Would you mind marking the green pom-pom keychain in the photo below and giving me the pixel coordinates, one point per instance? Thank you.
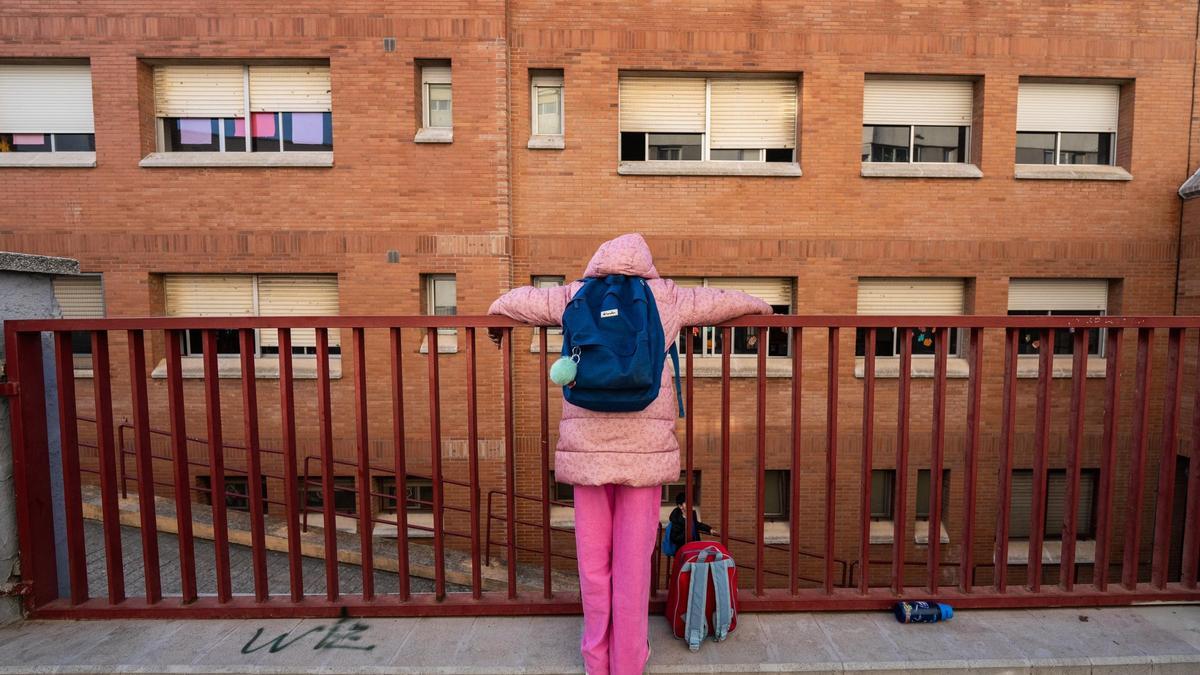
(564, 369)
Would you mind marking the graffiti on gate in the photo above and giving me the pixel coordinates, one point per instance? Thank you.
(340, 635)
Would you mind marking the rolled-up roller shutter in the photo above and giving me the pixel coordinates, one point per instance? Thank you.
(209, 294)
(771, 290)
(917, 102)
(46, 99)
(435, 74)
(752, 113)
(297, 295)
(80, 297)
(290, 89)
(1043, 106)
(662, 104)
(199, 91)
(910, 297)
(1058, 295)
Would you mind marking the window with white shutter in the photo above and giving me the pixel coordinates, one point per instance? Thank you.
(46, 108)
(916, 120)
(1021, 504)
(707, 118)
(547, 102)
(80, 297)
(207, 295)
(243, 107)
(436, 101)
(1058, 297)
(909, 297)
(775, 291)
(1067, 123)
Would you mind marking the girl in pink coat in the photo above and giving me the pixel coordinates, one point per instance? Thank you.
(618, 461)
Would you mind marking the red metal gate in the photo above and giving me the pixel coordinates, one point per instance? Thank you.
(991, 388)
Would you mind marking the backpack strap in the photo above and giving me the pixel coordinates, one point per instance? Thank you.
(678, 389)
(723, 613)
(696, 623)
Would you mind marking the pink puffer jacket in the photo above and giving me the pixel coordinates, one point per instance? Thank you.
(637, 448)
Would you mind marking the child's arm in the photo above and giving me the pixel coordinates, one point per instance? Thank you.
(536, 306)
(707, 306)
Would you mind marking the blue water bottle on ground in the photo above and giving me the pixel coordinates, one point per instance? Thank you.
(919, 611)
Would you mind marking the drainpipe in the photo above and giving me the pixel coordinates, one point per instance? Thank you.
(1188, 169)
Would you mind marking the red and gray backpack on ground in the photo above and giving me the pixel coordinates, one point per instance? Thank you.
(702, 599)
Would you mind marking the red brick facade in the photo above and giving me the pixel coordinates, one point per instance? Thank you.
(494, 212)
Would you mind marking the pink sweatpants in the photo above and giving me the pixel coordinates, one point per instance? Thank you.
(615, 526)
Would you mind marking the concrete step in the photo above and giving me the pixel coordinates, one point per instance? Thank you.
(1160, 639)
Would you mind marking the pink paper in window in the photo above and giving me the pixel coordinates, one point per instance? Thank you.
(239, 127)
(307, 129)
(195, 131)
(29, 139)
(263, 125)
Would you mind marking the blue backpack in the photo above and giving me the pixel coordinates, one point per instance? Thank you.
(614, 337)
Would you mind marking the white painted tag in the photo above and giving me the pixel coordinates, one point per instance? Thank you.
(608, 313)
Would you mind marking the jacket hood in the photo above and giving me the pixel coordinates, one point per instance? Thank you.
(628, 254)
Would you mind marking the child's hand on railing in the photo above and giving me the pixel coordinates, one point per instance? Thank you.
(495, 335)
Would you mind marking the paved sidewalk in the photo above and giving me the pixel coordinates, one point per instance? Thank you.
(1161, 639)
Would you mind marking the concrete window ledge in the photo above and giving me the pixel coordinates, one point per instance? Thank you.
(447, 343)
(920, 170)
(554, 342)
(957, 368)
(1018, 551)
(1027, 367)
(388, 528)
(921, 533)
(265, 368)
(434, 136)
(84, 373)
(672, 168)
(47, 160)
(884, 532)
(545, 142)
(739, 366)
(217, 160)
(1071, 172)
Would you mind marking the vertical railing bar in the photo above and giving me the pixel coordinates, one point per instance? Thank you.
(1160, 556)
(544, 446)
(831, 444)
(1037, 527)
(1074, 452)
(291, 493)
(114, 563)
(1133, 504)
(435, 463)
(934, 531)
(258, 536)
(689, 457)
(473, 468)
(966, 571)
(64, 368)
(216, 466)
(1191, 540)
(1004, 475)
(328, 507)
(510, 465)
(797, 338)
(1108, 462)
(760, 462)
(400, 461)
(144, 461)
(903, 410)
(868, 446)
(366, 524)
(179, 454)
(726, 351)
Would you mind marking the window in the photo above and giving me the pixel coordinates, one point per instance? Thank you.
(547, 103)
(1058, 297)
(237, 492)
(775, 291)
(908, 297)
(916, 120)
(344, 492)
(548, 281)
(210, 108)
(923, 502)
(679, 486)
(777, 492)
(441, 297)
(199, 295)
(436, 108)
(718, 118)
(883, 494)
(46, 108)
(1021, 503)
(419, 493)
(1067, 123)
(80, 297)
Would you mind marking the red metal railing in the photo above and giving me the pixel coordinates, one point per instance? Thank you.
(984, 416)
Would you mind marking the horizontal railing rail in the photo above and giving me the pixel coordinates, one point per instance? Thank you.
(1016, 400)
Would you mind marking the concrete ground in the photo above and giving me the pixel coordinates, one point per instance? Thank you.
(1159, 639)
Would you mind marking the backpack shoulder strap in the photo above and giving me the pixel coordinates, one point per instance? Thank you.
(696, 623)
(678, 388)
(723, 612)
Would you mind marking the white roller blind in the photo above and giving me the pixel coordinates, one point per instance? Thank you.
(752, 113)
(79, 297)
(297, 295)
(46, 99)
(771, 290)
(925, 102)
(688, 282)
(1058, 294)
(662, 104)
(199, 91)
(1045, 106)
(910, 297)
(435, 74)
(546, 80)
(290, 89)
(209, 294)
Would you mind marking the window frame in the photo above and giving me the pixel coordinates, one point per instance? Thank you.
(534, 108)
(709, 333)
(385, 488)
(536, 280)
(887, 515)
(669, 490)
(1112, 147)
(954, 352)
(783, 486)
(52, 142)
(305, 489)
(429, 285)
(945, 508)
(965, 131)
(1055, 533)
